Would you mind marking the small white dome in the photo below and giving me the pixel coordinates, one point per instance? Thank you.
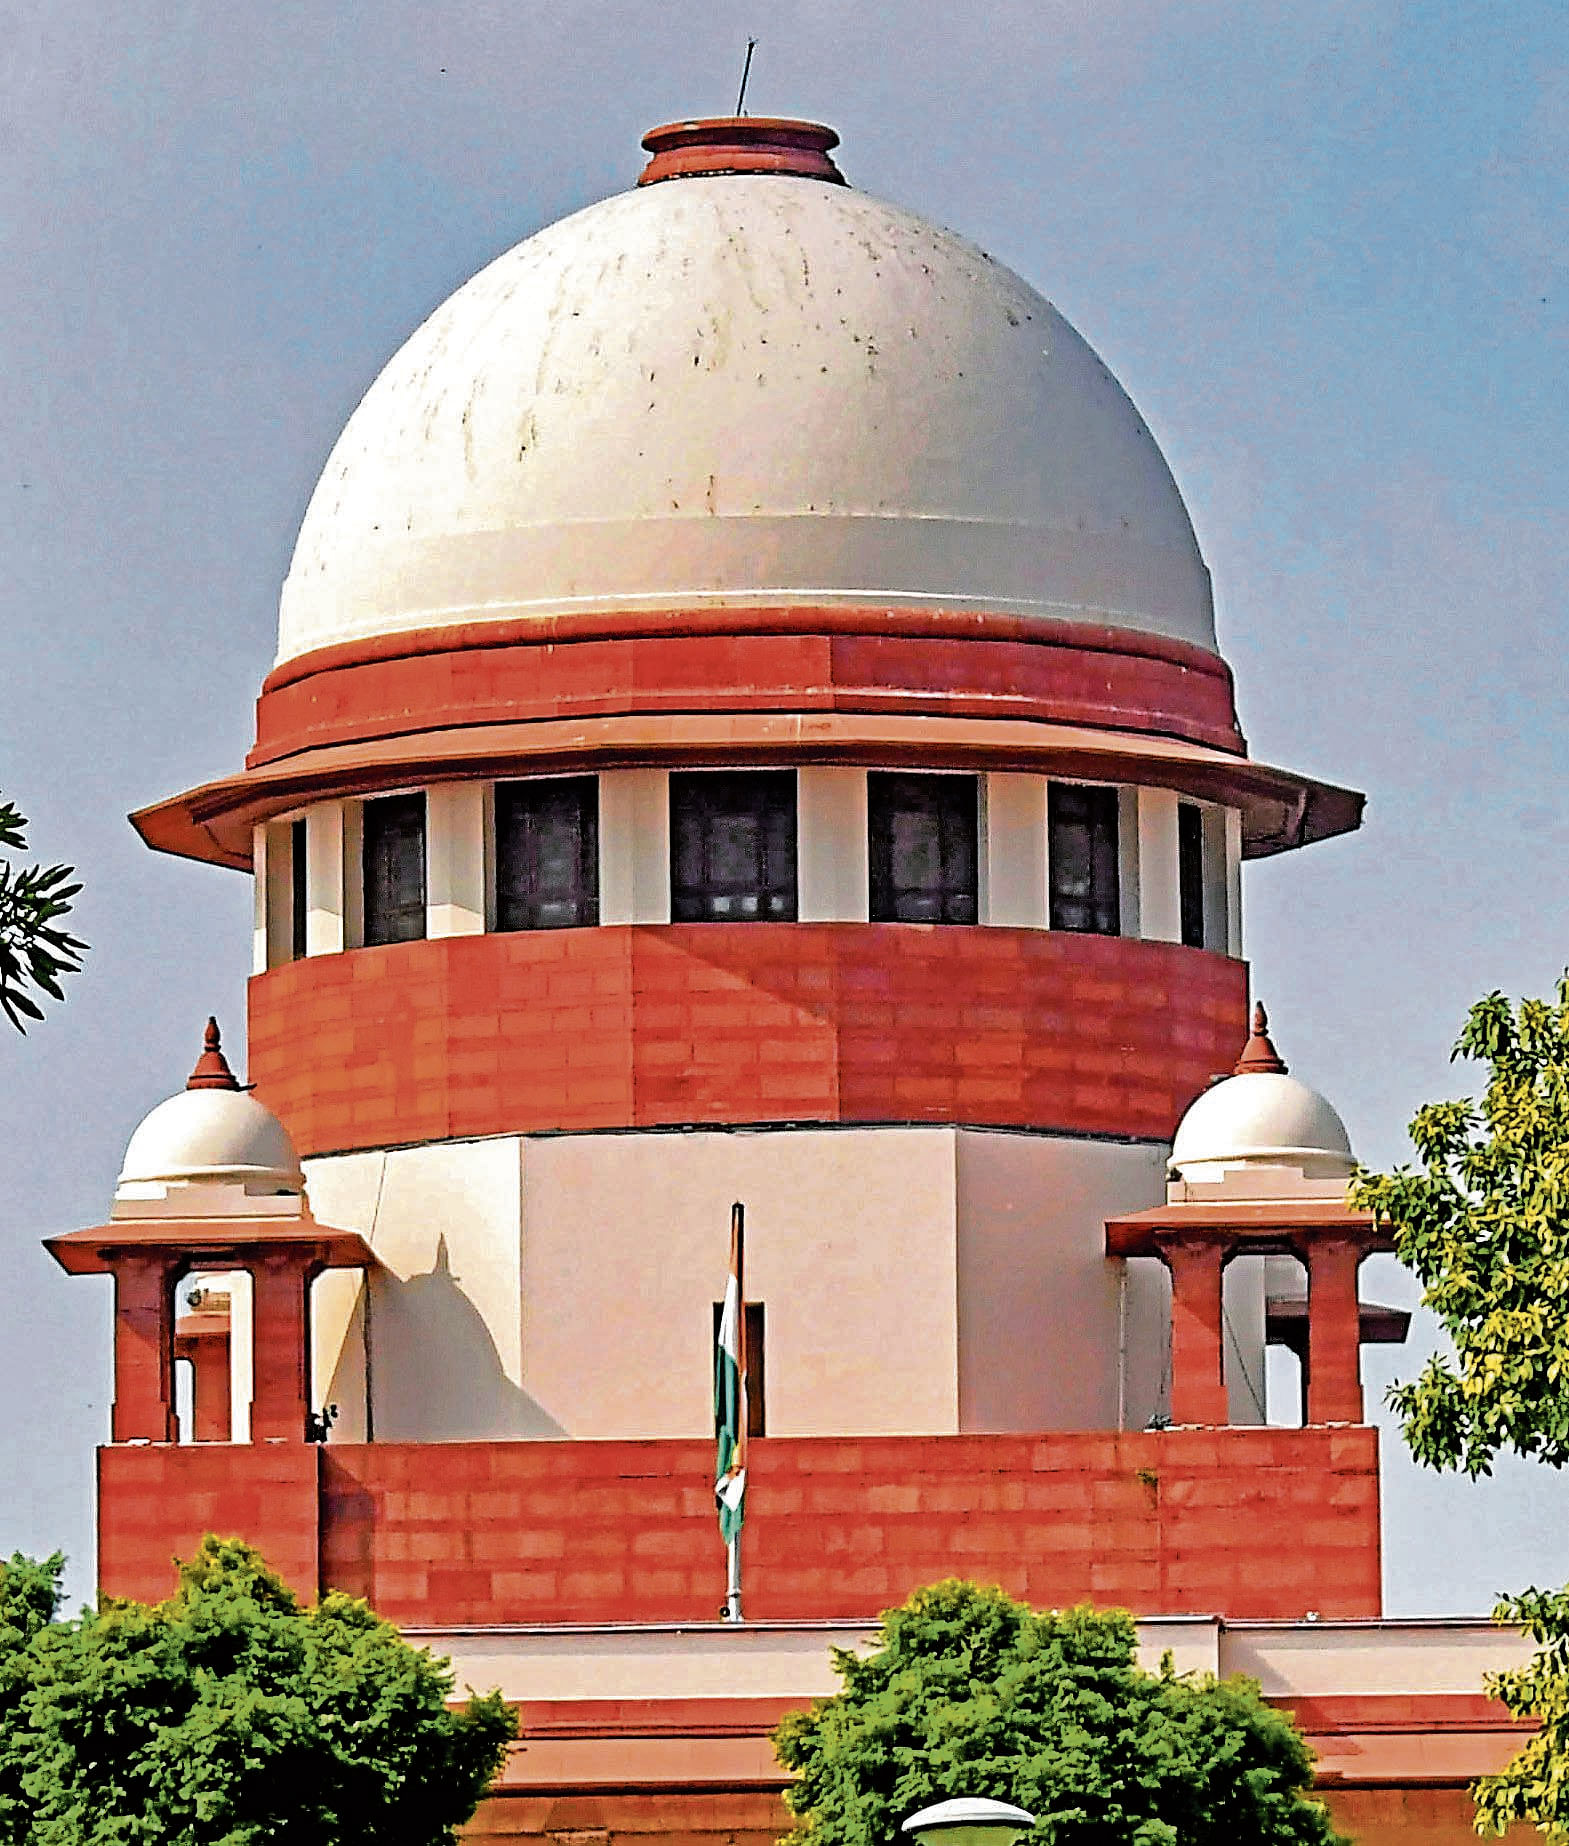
(738, 388)
(211, 1133)
(1262, 1118)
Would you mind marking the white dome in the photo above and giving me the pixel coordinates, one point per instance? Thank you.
(743, 388)
(211, 1135)
(1262, 1118)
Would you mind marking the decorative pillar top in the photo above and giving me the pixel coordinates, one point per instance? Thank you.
(212, 1070)
(1259, 1053)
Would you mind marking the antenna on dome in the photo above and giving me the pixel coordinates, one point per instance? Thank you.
(746, 71)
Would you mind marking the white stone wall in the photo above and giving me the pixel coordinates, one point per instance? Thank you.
(914, 1281)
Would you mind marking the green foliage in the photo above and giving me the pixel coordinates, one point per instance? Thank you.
(972, 1693)
(228, 1716)
(34, 951)
(1534, 1787)
(1484, 1224)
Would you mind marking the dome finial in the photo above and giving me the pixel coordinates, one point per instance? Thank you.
(740, 144)
(1259, 1054)
(212, 1070)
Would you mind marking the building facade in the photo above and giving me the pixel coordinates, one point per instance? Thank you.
(748, 725)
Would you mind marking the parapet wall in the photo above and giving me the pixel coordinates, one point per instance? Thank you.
(1246, 1523)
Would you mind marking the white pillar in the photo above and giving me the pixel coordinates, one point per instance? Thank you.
(1013, 808)
(1234, 882)
(832, 869)
(325, 883)
(1129, 870)
(634, 846)
(260, 892)
(455, 859)
(1160, 894)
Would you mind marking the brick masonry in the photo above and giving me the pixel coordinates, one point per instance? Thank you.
(739, 660)
(1261, 1523)
(647, 1025)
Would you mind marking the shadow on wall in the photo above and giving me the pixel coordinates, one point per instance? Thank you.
(435, 1373)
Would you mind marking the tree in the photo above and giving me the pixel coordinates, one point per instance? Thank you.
(972, 1693)
(1484, 1224)
(228, 1716)
(34, 951)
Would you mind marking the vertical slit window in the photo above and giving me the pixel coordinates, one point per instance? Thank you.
(756, 1371)
(394, 869)
(923, 848)
(547, 854)
(298, 910)
(1083, 857)
(732, 846)
(1190, 873)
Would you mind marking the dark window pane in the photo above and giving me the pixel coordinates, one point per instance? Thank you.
(756, 1403)
(923, 848)
(297, 898)
(732, 846)
(1085, 886)
(547, 854)
(1190, 873)
(394, 864)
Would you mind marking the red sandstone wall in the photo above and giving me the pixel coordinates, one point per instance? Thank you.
(738, 660)
(1261, 1523)
(824, 1022)
(156, 1502)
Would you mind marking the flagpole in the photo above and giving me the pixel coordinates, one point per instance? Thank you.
(732, 1609)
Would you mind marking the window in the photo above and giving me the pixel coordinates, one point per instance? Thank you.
(1190, 873)
(394, 867)
(732, 846)
(756, 1406)
(1082, 824)
(297, 901)
(547, 854)
(924, 854)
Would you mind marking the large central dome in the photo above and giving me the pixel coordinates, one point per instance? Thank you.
(743, 387)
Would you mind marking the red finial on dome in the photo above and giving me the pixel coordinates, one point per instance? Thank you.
(740, 144)
(212, 1067)
(1259, 1053)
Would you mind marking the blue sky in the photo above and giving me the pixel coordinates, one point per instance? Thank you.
(1322, 245)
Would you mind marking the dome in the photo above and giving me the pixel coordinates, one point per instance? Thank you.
(212, 1132)
(1261, 1117)
(744, 387)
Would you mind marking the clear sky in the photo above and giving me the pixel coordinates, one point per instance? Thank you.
(1323, 245)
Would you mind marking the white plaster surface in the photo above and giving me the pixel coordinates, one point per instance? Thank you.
(634, 846)
(326, 893)
(832, 863)
(750, 388)
(442, 1324)
(455, 856)
(1014, 811)
(850, 1247)
(1160, 885)
(1038, 1299)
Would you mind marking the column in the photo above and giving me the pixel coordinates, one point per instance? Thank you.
(1013, 810)
(1334, 1330)
(1198, 1387)
(143, 1348)
(1160, 903)
(325, 894)
(280, 1347)
(831, 850)
(455, 859)
(634, 846)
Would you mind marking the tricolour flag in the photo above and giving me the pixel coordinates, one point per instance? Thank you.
(730, 1395)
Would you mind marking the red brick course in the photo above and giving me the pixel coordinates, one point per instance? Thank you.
(649, 1026)
(1244, 1523)
(956, 664)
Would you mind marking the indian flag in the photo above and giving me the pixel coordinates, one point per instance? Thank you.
(730, 1396)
